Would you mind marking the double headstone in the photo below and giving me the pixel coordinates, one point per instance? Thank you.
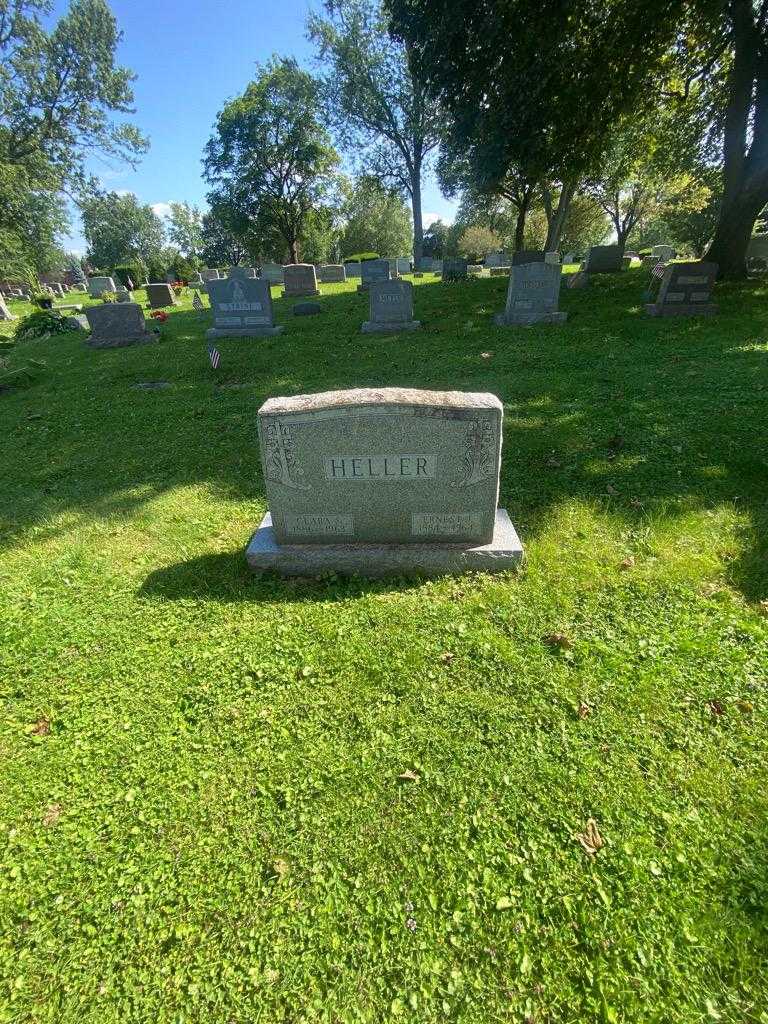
(391, 309)
(242, 307)
(272, 272)
(497, 259)
(425, 264)
(332, 273)
(686, 290)
(382, 481)
(603, 259)
(372, 271)
(352, 269)
(523, 256)
(116, 325)
(160, 295)
(455, 270)
(664, 252)
(98, 285)
(532, 295)
(300, 280)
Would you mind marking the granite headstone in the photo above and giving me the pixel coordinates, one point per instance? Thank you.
(332, 273)
(372, 271)
(300, 280)
(532, 295)
(391, 309)
(603, 259)
(686, 290)
(160, 295)
(117, 325)
(242, 307)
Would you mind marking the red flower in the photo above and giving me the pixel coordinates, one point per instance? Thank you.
(159, 314)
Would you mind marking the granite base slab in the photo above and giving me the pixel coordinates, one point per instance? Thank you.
(501, 320)
(265, 554)
(666, 309)
(145, 339)
(243, 332)
(304, 294)
(371, 327)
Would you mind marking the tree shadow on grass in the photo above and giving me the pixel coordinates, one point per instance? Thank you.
(638, 416)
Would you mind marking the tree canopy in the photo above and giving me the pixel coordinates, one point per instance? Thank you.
(119, 228)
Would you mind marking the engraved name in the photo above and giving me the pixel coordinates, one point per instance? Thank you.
(444, 524)
(380, 467)
(328, 525)
(240, 307)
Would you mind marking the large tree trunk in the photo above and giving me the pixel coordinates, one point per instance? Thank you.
(418, 227)
(734, 229)
(522, 214)
(556, 219)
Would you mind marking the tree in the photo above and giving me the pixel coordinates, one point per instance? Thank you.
(119, 228)
(32, 219)
(375, 99)
(476, 242)
(184, 228)
(269, 158)
(505, 72)
(585, 225)
(434, 239)
(376, 220)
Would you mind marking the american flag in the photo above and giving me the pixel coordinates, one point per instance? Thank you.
(197, 303)
(214, 356)
(658, 270)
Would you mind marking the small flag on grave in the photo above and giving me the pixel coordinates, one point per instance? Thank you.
(197, 303)
(213, 355)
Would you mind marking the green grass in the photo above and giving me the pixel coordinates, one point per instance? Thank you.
(201, 812)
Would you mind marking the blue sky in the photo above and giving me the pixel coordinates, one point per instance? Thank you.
(190, 58)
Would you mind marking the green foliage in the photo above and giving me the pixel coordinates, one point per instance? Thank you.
(359, 257)
(119, 228)
(203, 809)
(434, 239)
(133, 272)
(39, 324)
(270, 159)
(376, 219)
(377, 105)
(185, 230)
(476, 242)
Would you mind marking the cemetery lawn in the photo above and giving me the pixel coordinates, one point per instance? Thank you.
(226, 799)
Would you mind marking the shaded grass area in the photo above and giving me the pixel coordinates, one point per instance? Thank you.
(202, 809)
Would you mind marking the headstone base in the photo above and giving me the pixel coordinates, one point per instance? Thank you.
(697, 309)
(559, 317)
(144, 339)
(265, 554)
(362, 289)
(302, 295)
(242, 332)
(371, 327)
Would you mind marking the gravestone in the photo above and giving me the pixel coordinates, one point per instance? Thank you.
(372, 271)
(332, 273)
(272, 272)
(532, 295)
(402, 265)
(425, 264)
(455, 270)
(209, 274)
(570, 257)
(5, 313)
(116, 325)
(499, 271)
(552, 257)
(686, 290)
(523, 256)
(123, 295)
(196, 283)
(497, 259)
(664, 252)
(603, 259)
(382, 481)
(352, 269)
(170, 277)
(300, 279)
(160, 295)
(391, 308)
(98, 285)
(242, 307)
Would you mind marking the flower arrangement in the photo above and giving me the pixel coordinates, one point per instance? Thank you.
(109, 296)
(159, 314)
(178, 288)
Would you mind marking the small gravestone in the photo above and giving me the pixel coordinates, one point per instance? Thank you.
(391, 308)
(300, 279)
(532, 296)
(352, 269)
(123, 295)
(242, 307)
(455, 270)
(116, 325)
(5, 313)
(272, 272)
(425, 264)
(603, 259)
(499, 271)
(552, 257)
(497, 259)
(570, 257)
(98, 285)
(209, 274)
(160, 295)
(372, 271)
(332, 273)
(578, 280)
(382, 481)
(307, 309)
(686, 290)
(523, 256)
(402, 265)
(76, 323)
(664, 252)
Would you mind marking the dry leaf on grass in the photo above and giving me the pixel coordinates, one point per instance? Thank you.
(42, 727)
(558, 640)
(409, 776)
(590, 839)
(583, 710)
(627, 563)
(52, 814)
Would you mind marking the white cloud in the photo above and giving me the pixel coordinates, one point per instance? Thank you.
(162, 209)
(123, 192)
(429, 218)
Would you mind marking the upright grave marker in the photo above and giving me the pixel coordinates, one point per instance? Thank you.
(382, 481)
(664, 252)
(333, 273)
(686, 290)
(272, 272)
(391, 308)
(532, 296)
(98, 285)
(5, 313)
(603, 259)
(300, 280)
(372, 271)
(242, 307)
(117, 325)
(160, 295)
(523, 256)
(455, 270)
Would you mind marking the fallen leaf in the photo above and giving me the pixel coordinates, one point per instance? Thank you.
(42, 727)
(558, 640)
(627, 563)
(554, 463)
(409, 776)
(590, 839)
(745, 705)
(583, 710)
(503, 903)
(635, 503)
(281, 867)
(447, 657)
(486, 355)
(763, 606)
(715, 708)
(52, 814)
